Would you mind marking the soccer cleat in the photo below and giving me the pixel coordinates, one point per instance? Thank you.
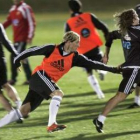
(134, 105)
(20, 120)
(55, 127)
(98, 125)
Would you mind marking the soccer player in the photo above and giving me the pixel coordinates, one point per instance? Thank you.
(137, 90)
(86, 24)
(129, 33)
(21, 17)
(11, 91)
(58, 60)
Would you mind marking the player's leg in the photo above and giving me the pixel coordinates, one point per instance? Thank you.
(3, 79)
(53, 110)
(5, 102)
(12, 94)
(25, 63)
(136, 99)
(14, 73)
(128, 84)
(31, 102)
(94, 55)
(94, 84)
(112, 103)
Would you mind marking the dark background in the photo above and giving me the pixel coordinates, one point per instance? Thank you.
(61, 5)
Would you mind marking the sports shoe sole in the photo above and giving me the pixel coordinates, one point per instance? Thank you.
(57, 129)
(97, 126)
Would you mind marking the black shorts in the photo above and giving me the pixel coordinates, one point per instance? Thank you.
(42, 84)
(3, 72)
(33, 98)
(40, 88)
(94, 55)
(131, 79)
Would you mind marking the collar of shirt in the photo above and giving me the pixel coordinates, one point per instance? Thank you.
(63, 53)
(76, 14)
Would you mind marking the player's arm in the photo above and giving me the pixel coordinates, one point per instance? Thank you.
(45, 50)
(31, 23)
(111, 36)
(82, 61)
(8, 22)
(67, 28)
(6, 42)
(100, 25)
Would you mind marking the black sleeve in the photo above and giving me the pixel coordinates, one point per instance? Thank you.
(112, 36)
(6, 42)
(35, 50)
(67, 28)
(83, 61)
(100, 25)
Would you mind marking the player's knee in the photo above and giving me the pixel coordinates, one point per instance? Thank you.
(58, 93)
(121, 96)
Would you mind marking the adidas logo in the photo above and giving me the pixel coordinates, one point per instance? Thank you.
(79, 22)
(58, 64)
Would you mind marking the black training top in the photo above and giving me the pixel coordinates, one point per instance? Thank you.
(78, 60)
(130, 43)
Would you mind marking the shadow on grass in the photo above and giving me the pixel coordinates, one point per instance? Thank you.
(67, 118)
(102, 136)
(113, 90)
(38, 137)
(75, 112)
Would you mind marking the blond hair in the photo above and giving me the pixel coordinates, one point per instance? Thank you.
(71, 36)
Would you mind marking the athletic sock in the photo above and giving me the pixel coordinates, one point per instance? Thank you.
(18, 104)
(12, 116)
(137, 100)
(53, 109)
(101, 119)
(95, 85)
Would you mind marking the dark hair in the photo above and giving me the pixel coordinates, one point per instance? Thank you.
(75, 5)
(125, 20)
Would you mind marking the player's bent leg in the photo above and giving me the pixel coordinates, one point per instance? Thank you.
(25, 109)
(53, 110)
(12, 116)
(12, 94)
(5, 103)
(95, 85)
(136, 99)
(111, 104)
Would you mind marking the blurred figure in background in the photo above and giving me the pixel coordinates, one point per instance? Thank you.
(86, 25)
(11, 91)
(21, 17)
